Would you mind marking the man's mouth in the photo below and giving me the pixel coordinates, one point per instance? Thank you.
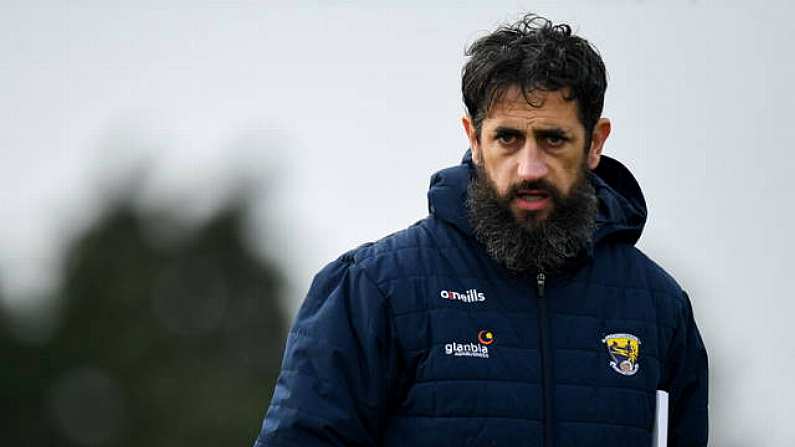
(532, 200)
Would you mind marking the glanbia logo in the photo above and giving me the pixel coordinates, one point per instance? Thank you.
(480, 350)
(486, 337)
(470, 296)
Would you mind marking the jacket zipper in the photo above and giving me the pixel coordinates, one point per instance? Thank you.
(543, 323)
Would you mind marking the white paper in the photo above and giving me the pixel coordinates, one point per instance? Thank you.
(661, 420)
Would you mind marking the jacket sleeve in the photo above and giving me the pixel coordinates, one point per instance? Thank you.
(338, 366)
(687, 383)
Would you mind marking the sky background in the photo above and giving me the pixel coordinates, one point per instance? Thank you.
(336, 114)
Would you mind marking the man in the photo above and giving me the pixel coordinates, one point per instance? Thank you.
(518, 313)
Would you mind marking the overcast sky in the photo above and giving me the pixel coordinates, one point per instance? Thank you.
(342, 111)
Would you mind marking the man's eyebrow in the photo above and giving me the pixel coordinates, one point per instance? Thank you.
(507, 130)
(557, 132)
(543, 132)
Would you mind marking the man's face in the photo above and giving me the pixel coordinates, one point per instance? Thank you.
(533, 154)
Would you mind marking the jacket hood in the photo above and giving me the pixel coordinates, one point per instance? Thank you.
(622, 208)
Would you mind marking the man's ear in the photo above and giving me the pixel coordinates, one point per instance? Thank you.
(600, 133)
(472, 136)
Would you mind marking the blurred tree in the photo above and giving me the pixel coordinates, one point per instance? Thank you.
(158, 344)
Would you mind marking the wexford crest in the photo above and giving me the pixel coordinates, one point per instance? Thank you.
(624, 350)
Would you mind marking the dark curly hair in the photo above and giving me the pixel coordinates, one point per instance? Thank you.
(534, 54)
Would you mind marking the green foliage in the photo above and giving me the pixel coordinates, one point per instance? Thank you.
(158, 344)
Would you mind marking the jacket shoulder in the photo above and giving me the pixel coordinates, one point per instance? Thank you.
(399, 252)
(656, 276)
(626, 264)
(623, 265)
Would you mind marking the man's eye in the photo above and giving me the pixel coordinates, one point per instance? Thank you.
(506, 138)
(554, 140)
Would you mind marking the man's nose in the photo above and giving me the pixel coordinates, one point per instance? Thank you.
(531, 164)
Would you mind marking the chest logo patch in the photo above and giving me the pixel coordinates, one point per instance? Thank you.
(624, 350)
(480, 349)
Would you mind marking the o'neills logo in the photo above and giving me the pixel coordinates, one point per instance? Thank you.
(479, 350)
(470, 296)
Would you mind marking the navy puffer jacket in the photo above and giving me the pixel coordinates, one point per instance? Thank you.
(421, 339)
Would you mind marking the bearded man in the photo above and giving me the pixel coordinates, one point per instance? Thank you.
(519, 312)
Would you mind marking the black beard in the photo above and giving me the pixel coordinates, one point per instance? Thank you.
(532, 245)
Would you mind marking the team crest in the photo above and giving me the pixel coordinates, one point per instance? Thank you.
(624, 350)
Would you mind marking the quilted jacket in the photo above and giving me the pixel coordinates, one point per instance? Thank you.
(421, 339)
